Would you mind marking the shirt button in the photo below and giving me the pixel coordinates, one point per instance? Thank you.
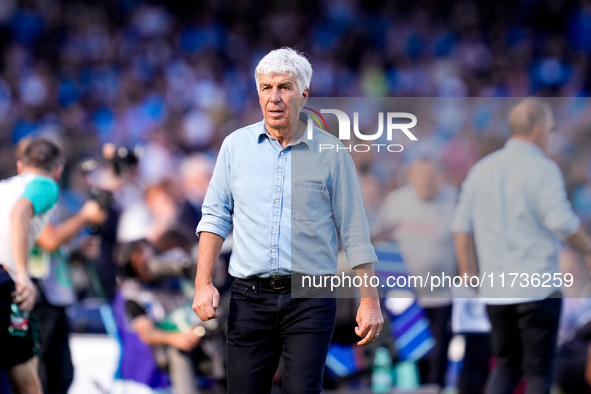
(273, 250)
(277, 201)
(274, 226)
(282, 153)
(278, 176)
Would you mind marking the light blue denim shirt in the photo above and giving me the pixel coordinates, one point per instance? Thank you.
(515, 203)
(286, 204)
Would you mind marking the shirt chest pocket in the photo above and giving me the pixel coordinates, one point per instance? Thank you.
(307, 200)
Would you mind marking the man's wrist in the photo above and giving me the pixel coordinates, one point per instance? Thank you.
(83, 217)
(22, 273)
(203, 282)
(370, 300)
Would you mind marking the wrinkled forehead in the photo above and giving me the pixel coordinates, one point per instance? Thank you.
(274, 78)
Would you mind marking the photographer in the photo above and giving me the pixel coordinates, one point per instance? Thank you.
(48, 264)
(153, 316)
(56, 293)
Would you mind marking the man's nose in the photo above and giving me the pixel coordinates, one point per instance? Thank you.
(275, 96)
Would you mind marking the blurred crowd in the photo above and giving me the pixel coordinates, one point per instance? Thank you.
(165, 82)
(176, 78)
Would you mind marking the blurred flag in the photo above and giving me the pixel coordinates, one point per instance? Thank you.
(409, 325)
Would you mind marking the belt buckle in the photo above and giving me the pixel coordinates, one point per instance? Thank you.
(278, 283)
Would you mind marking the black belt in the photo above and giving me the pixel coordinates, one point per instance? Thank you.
(278, 283)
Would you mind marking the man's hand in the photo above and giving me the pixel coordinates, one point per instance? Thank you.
(92, 213)
(153, 336)
(20, 224)
(588, 367)
(24, 293)
(184, 341)
(53, 236)
(207, 297)
(205, 303)
(369, 320)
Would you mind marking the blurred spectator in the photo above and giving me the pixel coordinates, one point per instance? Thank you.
(74, 68)
(150, 309)
(153, 75)
(573, 362)
(164, 208)
(196, 172)
(49, 264)
(373, 194)
(512, 209)
(418, 216)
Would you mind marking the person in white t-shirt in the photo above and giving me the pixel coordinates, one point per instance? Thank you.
(26, 201)
(418, 216)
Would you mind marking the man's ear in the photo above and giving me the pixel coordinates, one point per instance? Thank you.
(57, 174)
(19, 167)
(305, 95)
(536, 133)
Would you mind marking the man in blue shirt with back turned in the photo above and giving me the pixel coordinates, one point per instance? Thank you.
(285, 221)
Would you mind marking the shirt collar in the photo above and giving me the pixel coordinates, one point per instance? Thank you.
(311, 143)
(262, 132)
(523, 146)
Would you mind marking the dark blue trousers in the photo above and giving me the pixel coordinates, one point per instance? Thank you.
(263, 325)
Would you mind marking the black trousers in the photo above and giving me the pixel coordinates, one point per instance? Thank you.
(264, 324)
(433, 367)
(523, 339)
(571, 366)
(56, 370)
(476, 363)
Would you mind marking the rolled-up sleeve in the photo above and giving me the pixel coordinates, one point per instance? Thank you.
(462, 217)
(218, 205)
(553, 206)
(349, 214)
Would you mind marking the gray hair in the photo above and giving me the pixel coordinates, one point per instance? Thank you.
(528, 114)
(286, 61)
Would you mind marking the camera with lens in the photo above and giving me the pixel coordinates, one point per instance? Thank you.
(141, 256)
(104, 198)
(174, 263)
(121, 158)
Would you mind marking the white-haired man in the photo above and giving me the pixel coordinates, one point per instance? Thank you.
(285, 221)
